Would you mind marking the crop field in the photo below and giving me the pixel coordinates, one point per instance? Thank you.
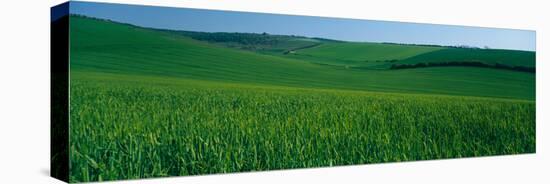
(364, 52)
(149, 103)
(108, 47)
(514, 58)
(136, 128)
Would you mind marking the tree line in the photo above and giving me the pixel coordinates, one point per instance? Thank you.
(465, 63)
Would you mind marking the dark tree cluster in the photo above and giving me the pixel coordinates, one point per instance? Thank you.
(465, 63)
(240, 38)
(386, 61)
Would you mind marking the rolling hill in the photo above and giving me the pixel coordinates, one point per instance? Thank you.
(384, 55)
(490, 56)
(110, 47)
(360, 54)
(366, 51)
(155, 103)
(264, 42)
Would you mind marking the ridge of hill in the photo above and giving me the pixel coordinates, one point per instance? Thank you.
(108, 47)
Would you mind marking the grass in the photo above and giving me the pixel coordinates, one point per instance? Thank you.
(114, 48)
(489, 56)
(378, 55)
(264, 43)
(365, 51)
(147, 103)
(145, 128)
(354, 54)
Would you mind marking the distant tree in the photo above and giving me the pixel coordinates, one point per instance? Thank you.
(465, 63)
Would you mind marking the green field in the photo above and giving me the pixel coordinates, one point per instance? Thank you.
(149, 103)
(509, 57)
(382, 56)
(360, 54)
(265, 43)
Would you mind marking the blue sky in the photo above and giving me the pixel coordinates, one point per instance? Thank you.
(332, 28)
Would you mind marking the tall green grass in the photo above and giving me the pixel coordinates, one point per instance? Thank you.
(145, 103)
(125, 127)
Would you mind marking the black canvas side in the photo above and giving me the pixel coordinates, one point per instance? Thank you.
(59, 92)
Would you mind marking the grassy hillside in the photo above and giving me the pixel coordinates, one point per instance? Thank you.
(365, 51)
(353, 54)
(148, 103)
(491, 56)
(264, 43)
(107, 47)
(383, 56)
(360, 55)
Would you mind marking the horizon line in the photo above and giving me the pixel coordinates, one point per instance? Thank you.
(303, 36)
